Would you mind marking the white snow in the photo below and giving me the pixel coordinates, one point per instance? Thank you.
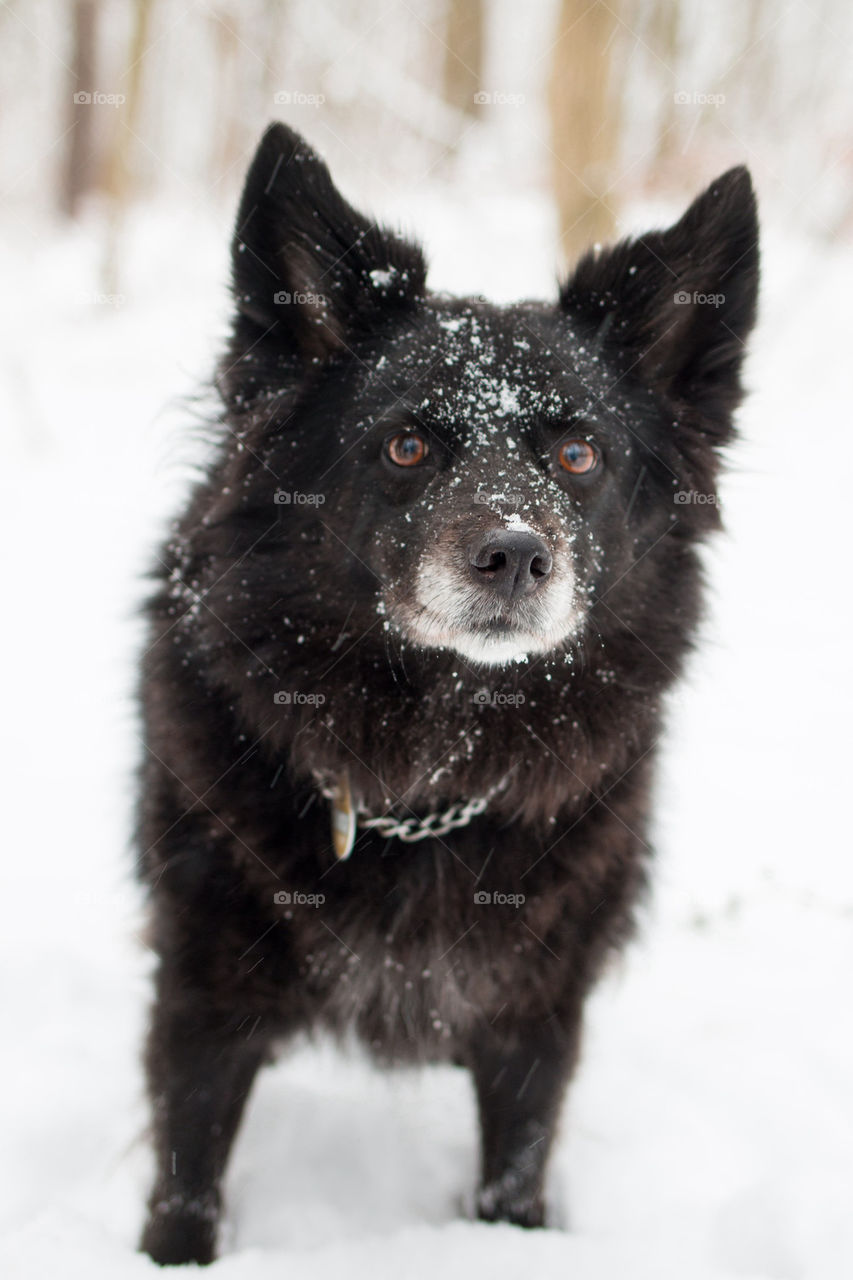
(381, 278)
(708, 1133)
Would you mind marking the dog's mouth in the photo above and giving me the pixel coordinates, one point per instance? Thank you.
(462, 622)
(498, 644)
(495, 644)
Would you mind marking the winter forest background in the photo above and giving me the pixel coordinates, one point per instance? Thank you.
(709, 1131)
(593, 104)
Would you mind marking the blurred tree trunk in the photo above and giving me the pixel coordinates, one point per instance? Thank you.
(276, 17)
(752, 73)
(119, 177)
(585, 118)
(665, 40)
(230, 78)
(78, 173)
(463, 57)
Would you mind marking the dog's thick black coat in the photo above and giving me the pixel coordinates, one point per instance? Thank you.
(325, 612)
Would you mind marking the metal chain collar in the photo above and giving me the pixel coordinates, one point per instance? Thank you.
(346, 815)
(434, 824)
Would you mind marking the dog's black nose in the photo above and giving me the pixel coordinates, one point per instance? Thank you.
(511, 561)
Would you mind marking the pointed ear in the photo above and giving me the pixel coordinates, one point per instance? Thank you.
(681, 303)
(307, 269)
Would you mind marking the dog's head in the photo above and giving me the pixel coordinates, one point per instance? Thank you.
(466, 476)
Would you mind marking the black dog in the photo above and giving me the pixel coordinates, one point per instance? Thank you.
(408, 653)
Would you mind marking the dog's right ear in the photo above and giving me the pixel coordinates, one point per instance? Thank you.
(680, 303)
(310, 274)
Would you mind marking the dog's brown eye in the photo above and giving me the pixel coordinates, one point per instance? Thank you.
(578, 457)
(406, 449)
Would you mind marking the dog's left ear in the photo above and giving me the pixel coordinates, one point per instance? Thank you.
(310, 274)
(680, 303)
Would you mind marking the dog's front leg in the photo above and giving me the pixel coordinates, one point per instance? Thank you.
(200, 1072)
(520, 1078)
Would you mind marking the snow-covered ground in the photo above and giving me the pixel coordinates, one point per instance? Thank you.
(710, 1129)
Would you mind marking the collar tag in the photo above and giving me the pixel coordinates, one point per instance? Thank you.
(343, 818)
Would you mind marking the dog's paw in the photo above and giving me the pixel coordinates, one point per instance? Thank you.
(507, 1200)
(179, 1232)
